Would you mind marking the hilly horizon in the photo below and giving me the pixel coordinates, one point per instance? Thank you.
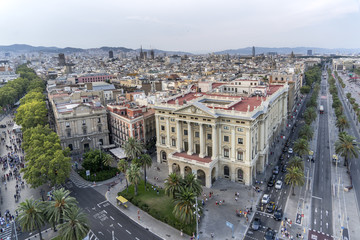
(239, 51)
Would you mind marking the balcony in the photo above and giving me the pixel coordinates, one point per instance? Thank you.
(190, 159)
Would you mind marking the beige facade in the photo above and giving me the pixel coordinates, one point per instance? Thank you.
(81, 126)
(219, 136)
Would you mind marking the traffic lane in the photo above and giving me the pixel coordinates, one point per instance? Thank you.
(267, 221)
(104, 217)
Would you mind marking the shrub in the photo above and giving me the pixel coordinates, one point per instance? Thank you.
(102, 175)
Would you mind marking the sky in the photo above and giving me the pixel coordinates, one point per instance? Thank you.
(186, 25)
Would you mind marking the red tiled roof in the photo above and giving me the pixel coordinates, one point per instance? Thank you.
(215, 85)
(193, 157)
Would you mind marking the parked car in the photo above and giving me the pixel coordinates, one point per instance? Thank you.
(278, 214)
(256, 224)
(270, 207)
(2, 126)
(284, 168)
(285, 149)
(290, 150)
(278, 184)
(269, 234)
(265, 199)
(276, 170)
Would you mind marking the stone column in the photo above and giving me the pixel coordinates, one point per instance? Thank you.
(233, 144)
(215, 141)
(168, 132)
(190, 139)
(220, 139)
(179, 136)
(158, 130)
(202, 141)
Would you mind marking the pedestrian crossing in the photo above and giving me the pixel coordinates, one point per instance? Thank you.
(79, 181)
(6, 232)
(91, 236)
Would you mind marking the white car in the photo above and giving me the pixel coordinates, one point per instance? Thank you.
(290, 150)
(278, 184)
(265, 199)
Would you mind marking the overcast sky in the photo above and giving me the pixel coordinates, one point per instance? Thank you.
(187, 25)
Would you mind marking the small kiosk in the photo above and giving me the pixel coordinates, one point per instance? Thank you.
(121, 201)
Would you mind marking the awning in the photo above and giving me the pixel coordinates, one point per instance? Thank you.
(122, 199)
(118, 152)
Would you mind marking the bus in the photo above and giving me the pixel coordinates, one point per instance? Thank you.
(321, 109)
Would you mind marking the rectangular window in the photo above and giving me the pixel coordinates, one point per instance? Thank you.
(84, 131)
(67, 124)
(83, 122)
(172, 119)
(69, 133)
(226, 127)
(99, 120)
(162, 128)
(161, 118)
(209, 136)
(240, 129)
(240, 156)
(226, 152)
(226, 138)
(197, 134)
(173, 129)
(99, 129)
(173, 142)
(162, 140)
(185, 132)
(240, 141)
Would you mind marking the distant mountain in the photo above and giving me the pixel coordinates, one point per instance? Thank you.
(158, 51)
(123, 49)
(287, 50)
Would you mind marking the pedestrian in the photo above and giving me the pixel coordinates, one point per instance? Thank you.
(212, 235)
(181, 233)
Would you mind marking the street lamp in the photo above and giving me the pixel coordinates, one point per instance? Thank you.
(99, 144)
(197, 213)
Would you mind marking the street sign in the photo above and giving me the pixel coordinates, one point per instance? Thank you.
(298, 218)
(87, 173)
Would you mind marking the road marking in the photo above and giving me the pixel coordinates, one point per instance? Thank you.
(119, 224)
(112, 225)
(111, 217)
(101, 203)
(317, 197)
(137, 238)
(327, 212)
(101, 224)
(327, 225)
(105, 211)
(315, 221)
(316, 210)
(101, 233)
(128, 232)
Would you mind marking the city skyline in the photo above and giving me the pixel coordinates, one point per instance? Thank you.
(203, 26)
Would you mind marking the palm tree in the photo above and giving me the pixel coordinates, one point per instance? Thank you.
(145, 162)
(123, 166)
(172, 184)
(294, 177)
(107, 160)
(345, 147)
(31, 215)
(296, 162)
(306, 132)
(301, 147)
(310, 115)
(133, 174)
(75, 226)
(184, 206)
(55, 208)
(191, 183)
(342, 123)
(133, 148)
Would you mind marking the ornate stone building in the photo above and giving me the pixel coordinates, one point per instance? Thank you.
(223, 133)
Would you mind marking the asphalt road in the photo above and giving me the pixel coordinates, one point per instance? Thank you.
(321, 202)
(278, 196)
(106, 221)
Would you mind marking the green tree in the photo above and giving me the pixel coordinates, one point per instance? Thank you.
(133, 175)
(144, 161)
(184, 206)
(342, 123)
(123, 166)
(45, 159)
(172, 184)
(296, 162)
(31, 215)
(133, 148)
(75, 226)
(31, 114)
(191, 183)
(310, 115)
(294, 177)
(107, 159)
(32, 96)
(301, 147)
(345, 147)
(55, 209)
(305, 89)
(306, 132)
